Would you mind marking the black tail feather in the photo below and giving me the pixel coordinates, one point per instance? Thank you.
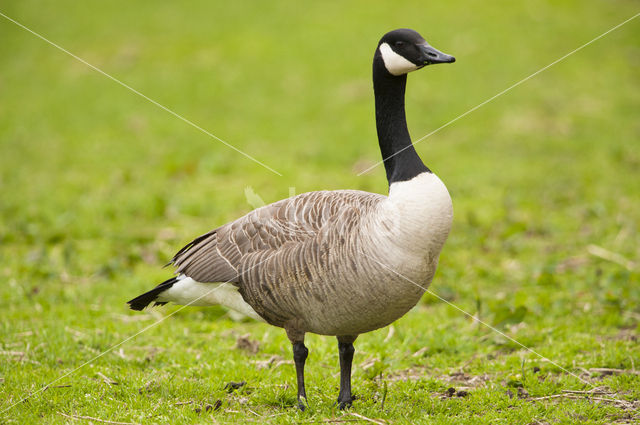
(141, 301)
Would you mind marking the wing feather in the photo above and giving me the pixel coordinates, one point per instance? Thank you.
(217, 256)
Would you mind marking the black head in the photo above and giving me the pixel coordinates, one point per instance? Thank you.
(404, 50)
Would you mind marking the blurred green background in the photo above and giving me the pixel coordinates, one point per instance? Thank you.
(99, 188)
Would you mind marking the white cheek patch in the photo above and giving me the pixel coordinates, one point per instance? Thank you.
(395, 64)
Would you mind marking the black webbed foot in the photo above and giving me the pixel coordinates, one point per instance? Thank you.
(345, 404)
(302, 404)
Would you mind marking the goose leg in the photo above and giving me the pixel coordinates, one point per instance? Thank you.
(345, 350)
(300, 353)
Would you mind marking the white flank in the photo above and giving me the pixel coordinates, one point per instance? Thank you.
(187, 291)
(395, 64)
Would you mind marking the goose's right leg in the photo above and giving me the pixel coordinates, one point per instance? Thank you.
(346, 350)
(300, 353)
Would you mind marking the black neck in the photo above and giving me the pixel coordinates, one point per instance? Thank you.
(401, 160)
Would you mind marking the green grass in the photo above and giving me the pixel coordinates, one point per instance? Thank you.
(99, 188)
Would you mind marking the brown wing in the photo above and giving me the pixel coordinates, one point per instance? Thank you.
(218, 256)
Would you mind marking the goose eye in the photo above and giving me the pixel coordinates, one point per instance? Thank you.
(399, 43)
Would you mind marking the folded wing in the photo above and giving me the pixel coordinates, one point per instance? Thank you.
(218, 256)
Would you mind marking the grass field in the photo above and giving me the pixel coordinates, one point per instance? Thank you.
(99, 188)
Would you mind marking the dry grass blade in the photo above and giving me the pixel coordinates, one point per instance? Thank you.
(614, 257)
(12, 353)
(609, 371)
(581, 395)
(106, 379)
(89, 418)
(364, 418)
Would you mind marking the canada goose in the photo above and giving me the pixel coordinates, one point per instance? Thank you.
(313, 262)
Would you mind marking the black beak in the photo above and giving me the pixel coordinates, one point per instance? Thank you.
(431, 55)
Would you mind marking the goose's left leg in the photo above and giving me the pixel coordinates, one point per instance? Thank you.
(346, 350)
(300, 353)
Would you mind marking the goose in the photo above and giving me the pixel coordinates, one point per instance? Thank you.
(336, 263)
